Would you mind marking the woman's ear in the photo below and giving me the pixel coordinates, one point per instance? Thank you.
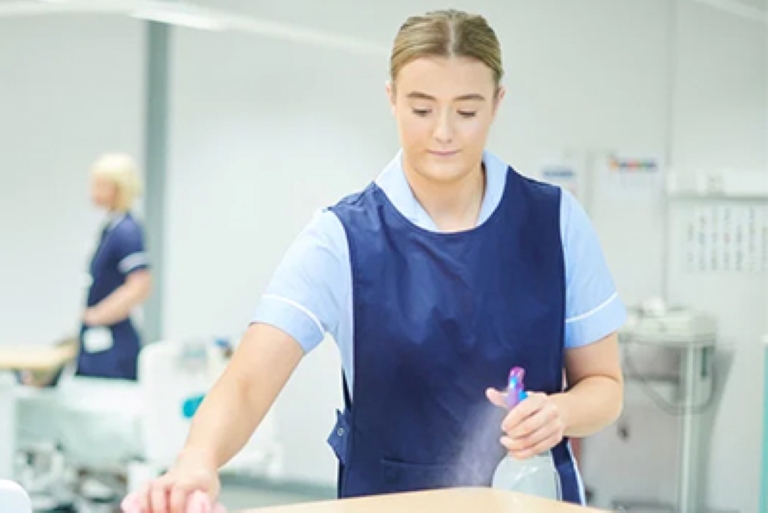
(501, 92)
(390, 88)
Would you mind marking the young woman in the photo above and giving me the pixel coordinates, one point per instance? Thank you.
(444, 273)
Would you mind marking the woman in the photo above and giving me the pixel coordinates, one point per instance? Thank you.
(435, 280)
(120, 277)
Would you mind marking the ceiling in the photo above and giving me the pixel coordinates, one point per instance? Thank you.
(365, 26)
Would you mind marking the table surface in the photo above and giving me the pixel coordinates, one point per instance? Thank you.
(455, 500)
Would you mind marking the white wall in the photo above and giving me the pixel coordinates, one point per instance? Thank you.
(720, 123)
(71, 87)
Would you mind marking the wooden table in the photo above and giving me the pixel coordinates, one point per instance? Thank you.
(456, 500)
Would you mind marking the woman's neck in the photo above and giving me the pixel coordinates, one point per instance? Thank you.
(452, 206)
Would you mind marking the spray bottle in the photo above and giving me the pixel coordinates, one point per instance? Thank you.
(536, 475)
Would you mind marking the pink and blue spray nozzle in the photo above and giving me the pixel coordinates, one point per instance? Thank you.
(516, 387)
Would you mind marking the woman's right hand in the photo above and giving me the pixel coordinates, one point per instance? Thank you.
(171, 492)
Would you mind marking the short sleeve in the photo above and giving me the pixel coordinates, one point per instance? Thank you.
(129, 248)
(308, 291)
(593, 307)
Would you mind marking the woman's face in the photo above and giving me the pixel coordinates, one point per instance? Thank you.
(444, 109)
(103, 192)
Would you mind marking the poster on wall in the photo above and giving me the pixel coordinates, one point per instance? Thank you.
(727, 237)
(562, 175)
(629, 177)
(566, 170)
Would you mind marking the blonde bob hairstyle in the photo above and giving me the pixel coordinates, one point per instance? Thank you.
(120, 170)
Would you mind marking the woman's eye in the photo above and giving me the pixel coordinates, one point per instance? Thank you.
(467, 114)
(421, 112)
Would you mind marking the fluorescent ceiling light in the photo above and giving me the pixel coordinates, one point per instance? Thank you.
(183, 14)
(738, 8)
(197, 20)
(21, 8)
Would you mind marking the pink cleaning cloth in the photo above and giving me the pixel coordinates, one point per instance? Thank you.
(198, 502)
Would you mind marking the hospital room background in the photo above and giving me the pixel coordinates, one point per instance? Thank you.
(246, 117)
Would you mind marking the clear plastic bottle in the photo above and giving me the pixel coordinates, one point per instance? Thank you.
(533, 476)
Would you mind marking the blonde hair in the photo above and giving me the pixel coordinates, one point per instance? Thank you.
(121, 170)
(447, 33)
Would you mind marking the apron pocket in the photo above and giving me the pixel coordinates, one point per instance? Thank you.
(98, 339)
(339, 437)
(410, 477)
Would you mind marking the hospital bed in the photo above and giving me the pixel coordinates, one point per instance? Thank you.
(116, 433)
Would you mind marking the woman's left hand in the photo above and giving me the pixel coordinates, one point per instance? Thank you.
(533, 426)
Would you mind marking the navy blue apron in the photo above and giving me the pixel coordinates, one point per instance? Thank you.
(119, 361)
(438, 318)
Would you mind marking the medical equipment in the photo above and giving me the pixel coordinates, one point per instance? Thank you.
(90, 440)
(13, 498)
(668, 354)
(534, 476)
(174, 379)
(654, 320)
(41, 362)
